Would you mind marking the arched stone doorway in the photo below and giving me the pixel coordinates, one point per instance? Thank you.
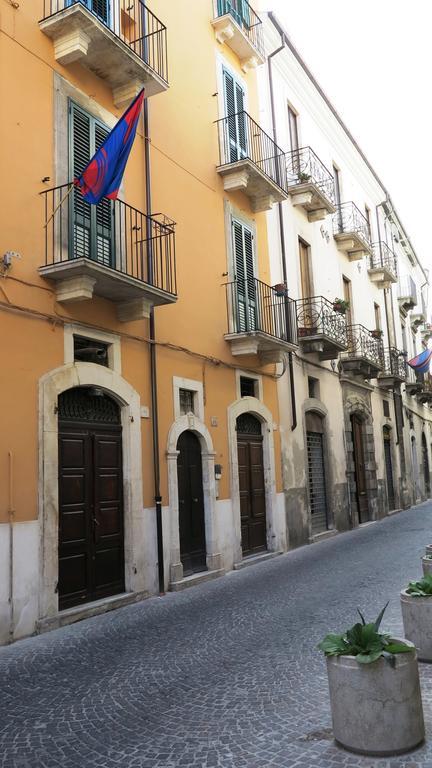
(140, 575)
(251, 484)
(361, 458)
(91, 525)
(191, 504)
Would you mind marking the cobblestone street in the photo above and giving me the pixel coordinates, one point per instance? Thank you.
(223, 675)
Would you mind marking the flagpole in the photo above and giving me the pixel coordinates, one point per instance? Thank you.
(58, 206)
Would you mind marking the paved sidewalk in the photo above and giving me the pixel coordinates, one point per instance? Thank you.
(225, 675)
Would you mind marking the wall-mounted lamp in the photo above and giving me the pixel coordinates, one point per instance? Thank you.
(218, 471)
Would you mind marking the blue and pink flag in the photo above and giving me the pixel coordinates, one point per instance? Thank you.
(103, 174)
(421, 363)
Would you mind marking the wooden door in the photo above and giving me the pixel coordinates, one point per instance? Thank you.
(191, 504)
(426, 473)
(305, 270)
(251, 482)
(389, 468)
(91, 533)
(359, 468)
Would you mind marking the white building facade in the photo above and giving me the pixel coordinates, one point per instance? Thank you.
(355, 420)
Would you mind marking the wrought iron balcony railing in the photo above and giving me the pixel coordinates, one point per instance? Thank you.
(316, 316)
(241, 138)
(407, 289)
(305, 167)
(383, 258)
(362, 343)
(349, 219)
(394, 363)
(246, 18)
(413, 378)
(130, 21)
(112, 234)
(254, 306)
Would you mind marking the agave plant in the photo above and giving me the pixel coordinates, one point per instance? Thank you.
(365, 642)
(422, 587)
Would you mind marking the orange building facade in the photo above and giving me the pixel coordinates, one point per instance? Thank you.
(140, 342)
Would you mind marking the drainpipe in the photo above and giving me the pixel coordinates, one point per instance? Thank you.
(153, 360)
(282, 236)
(11, 515)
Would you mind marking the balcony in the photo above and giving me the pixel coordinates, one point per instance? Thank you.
(238, 26)
(424, 396)
(407, 293)
(261, 320)
(310, 184)
(250, 161)
(414, 382)
(364, 356)
(382, 268)
(419, 313)
(320, 328)
(110, 250)
(122, 42)
(351, 231)
(394, 368)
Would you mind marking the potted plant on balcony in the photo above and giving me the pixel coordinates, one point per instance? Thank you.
(365, 669)
(416, 605)
(304, 177)
(341, 306)
(280, 289)
(377, 333)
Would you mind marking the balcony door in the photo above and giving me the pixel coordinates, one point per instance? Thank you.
(91, 227)
(245, 310)
(239, 10)
(235, 139)
(100, 8)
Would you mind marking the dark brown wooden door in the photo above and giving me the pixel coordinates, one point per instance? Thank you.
(91, 535)
(191, 504)
(359, 465)
(251, 482)
(389, 468)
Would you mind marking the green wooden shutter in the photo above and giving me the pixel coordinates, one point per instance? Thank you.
(80, 210)
(245, 309)
(104, 212)
(235, 140)
(91, 226)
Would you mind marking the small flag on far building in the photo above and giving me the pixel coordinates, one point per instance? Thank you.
(421, 363)
(103, 174)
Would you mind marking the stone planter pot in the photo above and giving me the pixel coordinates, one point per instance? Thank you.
(376, 710)
(417, 621)
(426, 565)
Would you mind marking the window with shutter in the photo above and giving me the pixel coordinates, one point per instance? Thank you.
(236, 122)
(239, 10)
(243, 249)
(100, 8)
(91, 226)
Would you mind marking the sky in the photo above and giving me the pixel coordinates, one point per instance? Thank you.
(374, 61)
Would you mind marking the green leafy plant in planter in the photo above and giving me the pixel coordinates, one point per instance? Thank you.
(304, 177)
(341, 306)
(365, 642)
(377, 333)
(422, 587)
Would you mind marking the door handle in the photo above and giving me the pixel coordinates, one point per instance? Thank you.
(96, 521)
(195, 501)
